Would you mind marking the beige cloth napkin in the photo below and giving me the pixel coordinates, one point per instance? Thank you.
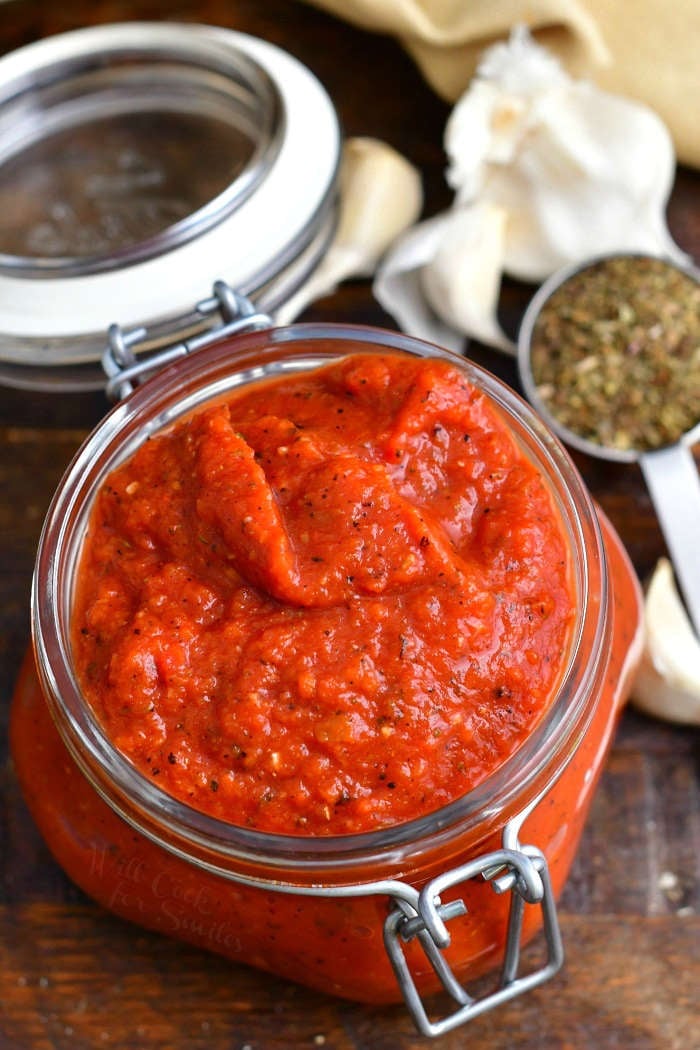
(646, 49)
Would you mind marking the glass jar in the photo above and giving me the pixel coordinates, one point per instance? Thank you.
(405, 910)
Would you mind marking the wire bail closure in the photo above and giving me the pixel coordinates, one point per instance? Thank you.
(523, 872)
(124, 369)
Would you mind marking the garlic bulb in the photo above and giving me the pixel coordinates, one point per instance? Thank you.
(547, 171)
(668, 680)
(579, 172)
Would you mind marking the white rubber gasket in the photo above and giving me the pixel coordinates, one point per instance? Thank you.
(236, 249)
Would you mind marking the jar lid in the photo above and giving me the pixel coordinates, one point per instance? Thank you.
(141, 163)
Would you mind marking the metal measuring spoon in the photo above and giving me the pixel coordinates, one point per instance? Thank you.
(670, 472)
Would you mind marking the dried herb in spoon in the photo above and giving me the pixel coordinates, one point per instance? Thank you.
(615, 353)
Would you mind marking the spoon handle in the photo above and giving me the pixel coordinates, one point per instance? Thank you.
(674, 485)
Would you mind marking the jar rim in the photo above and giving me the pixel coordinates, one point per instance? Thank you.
(523, 776)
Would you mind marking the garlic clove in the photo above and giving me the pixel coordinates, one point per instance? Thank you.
(668, 680)
(462, 279)
(381, 195)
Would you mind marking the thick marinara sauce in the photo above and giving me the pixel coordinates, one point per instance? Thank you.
(335, 601)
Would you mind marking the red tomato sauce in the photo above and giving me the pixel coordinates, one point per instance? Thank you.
(336, 601)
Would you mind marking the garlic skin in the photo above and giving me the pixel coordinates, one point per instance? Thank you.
(577, 171)
(547, 171)
(667, 684)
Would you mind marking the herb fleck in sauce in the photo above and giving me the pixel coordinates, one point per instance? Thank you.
(615, 353)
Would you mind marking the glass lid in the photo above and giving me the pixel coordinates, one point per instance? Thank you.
(107, 163)
(139, 164)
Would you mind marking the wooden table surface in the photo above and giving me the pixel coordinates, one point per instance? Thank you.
(73, 976)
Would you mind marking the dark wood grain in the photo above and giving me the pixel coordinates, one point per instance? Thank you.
(146, 993)
(72, 976)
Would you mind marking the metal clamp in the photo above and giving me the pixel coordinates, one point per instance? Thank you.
(122, 367)
(522, 872)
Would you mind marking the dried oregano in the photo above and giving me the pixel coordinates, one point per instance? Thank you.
(615, 353)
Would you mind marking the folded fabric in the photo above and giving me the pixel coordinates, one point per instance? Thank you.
(646, 50)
